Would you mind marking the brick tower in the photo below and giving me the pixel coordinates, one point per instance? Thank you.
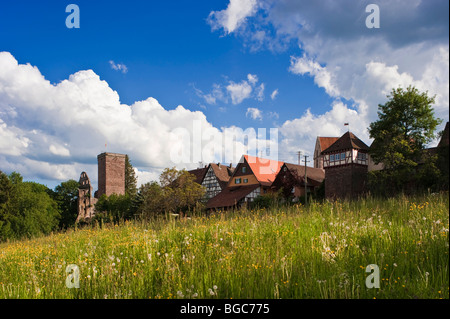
(111, 174)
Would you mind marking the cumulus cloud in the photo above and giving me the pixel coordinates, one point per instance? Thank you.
(233, 16)
(118, 66)
(237, 92)
(55, 131)
(322, 77)
(354, 63)
(254, 113)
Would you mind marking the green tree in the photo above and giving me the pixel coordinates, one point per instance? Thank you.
(152, 200)
(130, 178)
(180, 191)
(405, 125)
(114, 208)
(28, 210)
(66, 195)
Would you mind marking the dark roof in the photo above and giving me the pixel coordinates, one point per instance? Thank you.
(445, 138)
(229, 197)
(223, 173)
(346, 142)
(199, 174)
(317, 175)
(326, 142)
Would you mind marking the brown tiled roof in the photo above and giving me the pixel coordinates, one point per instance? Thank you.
(314, 175)
(229, 197)
(345, 142)
(199, 173)
(326, 142)
(223, 173)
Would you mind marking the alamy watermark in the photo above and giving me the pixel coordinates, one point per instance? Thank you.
(73, 19)
(373, 19)
(73, 279)
(373, 280)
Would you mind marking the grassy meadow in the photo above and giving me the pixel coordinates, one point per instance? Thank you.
(288, 252)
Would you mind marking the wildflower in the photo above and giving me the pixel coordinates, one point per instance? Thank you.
(395, 265)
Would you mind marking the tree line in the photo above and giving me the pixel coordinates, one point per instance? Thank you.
(405, 125)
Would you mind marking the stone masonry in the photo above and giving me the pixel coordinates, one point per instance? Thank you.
(111, 174)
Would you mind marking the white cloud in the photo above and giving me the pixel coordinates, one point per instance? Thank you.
(254, 113)
(353, 62)
(274, 94)
(239, 91)
(260, 92)
(234, 16)
(322, 77)
(55, 131)
(118, 66)
(252, 79)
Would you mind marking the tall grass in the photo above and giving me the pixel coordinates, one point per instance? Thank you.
(287, 252)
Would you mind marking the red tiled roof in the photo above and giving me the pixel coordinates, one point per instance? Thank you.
(326, 142)
(229, 197)
(347, 141)
(265, 170)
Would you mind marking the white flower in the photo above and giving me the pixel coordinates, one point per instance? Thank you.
(395, 265)
(215, 287)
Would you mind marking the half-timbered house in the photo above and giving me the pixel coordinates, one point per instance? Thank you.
(291, 180)
(346, 167)
(253, 176)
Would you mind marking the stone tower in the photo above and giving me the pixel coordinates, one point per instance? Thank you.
(346, 167)
(111, 174)
(86, 201)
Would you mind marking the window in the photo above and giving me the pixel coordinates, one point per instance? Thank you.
(244, 169)
(237, 181)
(245, 180)
(336, 157)
(285, 169)
(332, 158)
(342, 156)
(361, 156)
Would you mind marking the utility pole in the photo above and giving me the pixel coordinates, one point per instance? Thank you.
(306, 180)
(299, 153)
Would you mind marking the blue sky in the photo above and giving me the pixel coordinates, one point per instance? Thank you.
(302, 67)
